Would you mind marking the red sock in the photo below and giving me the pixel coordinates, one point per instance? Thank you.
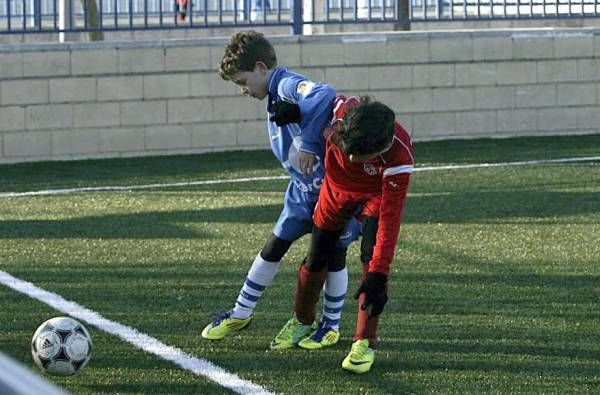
(366, 328)
(307, 293)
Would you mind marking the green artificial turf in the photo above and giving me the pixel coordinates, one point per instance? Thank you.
(495, 283)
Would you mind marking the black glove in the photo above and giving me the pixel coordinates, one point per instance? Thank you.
(285, 112)
(374, 287)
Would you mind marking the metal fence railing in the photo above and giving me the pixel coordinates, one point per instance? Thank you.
(34, 16)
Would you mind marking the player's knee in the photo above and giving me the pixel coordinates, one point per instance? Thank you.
(274, 249)
(322, 249)
(339, 260)
(315, 262)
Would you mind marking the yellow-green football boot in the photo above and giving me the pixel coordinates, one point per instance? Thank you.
(361, 357)
(324, 336)
(292, 332)
(224, 324)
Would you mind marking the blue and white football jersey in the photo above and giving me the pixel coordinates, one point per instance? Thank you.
(316, 103)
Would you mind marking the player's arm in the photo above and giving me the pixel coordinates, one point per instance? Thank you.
(315, 102)
(394, 190)
(390, 215)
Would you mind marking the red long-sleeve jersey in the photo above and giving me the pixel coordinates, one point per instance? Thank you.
(380, 185)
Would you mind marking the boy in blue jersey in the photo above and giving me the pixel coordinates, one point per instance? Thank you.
(298, 110)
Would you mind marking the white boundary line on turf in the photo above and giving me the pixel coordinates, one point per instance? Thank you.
(269, 178)
(147, 343)
(134, 187)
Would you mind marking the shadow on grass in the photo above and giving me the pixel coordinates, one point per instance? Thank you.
(33, 176)
(482, 207)
(156, 388)
(499, 206)
(488, 150)
(529, 280)
(146, 225)
(501, 318)
(290, 369)
(41, 175)
(552, 361)
(531, 368)
(509, 351)
(509, 288)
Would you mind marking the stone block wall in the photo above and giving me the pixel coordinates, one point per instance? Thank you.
(110, 99)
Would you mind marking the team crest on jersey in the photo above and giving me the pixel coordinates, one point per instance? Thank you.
(305, 87)
(370, 169)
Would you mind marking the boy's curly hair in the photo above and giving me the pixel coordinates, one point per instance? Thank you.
(367, 128)
(245, 48)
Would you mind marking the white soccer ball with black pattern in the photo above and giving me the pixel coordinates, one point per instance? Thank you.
(61, 346)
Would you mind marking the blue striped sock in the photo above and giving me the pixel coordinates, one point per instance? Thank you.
(259, 277)
(334, 296)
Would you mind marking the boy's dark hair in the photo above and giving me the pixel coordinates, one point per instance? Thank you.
(243, 51)
(366, 129)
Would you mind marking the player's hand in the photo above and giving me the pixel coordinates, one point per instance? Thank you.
(374, 288)
(307, 162)
(285, 112)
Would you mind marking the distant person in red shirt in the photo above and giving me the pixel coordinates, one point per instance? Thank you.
(181, 7)
(368, 162)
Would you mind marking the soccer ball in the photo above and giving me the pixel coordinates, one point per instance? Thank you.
(61, 346)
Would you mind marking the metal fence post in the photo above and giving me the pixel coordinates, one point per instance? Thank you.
(37, 14)
(403, 15)
(297, 21)
(65, 20)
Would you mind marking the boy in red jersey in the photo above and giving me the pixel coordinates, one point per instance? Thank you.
(368, 164)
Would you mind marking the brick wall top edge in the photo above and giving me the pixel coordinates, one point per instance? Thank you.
(288, 39)
(108, 45)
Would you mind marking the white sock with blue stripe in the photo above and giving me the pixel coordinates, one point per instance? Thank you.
(336, 286)
(259, 277)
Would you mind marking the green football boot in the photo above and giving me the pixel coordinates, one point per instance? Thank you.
(290, 335)
(324, 336)
(361, 357)
(223, 325)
